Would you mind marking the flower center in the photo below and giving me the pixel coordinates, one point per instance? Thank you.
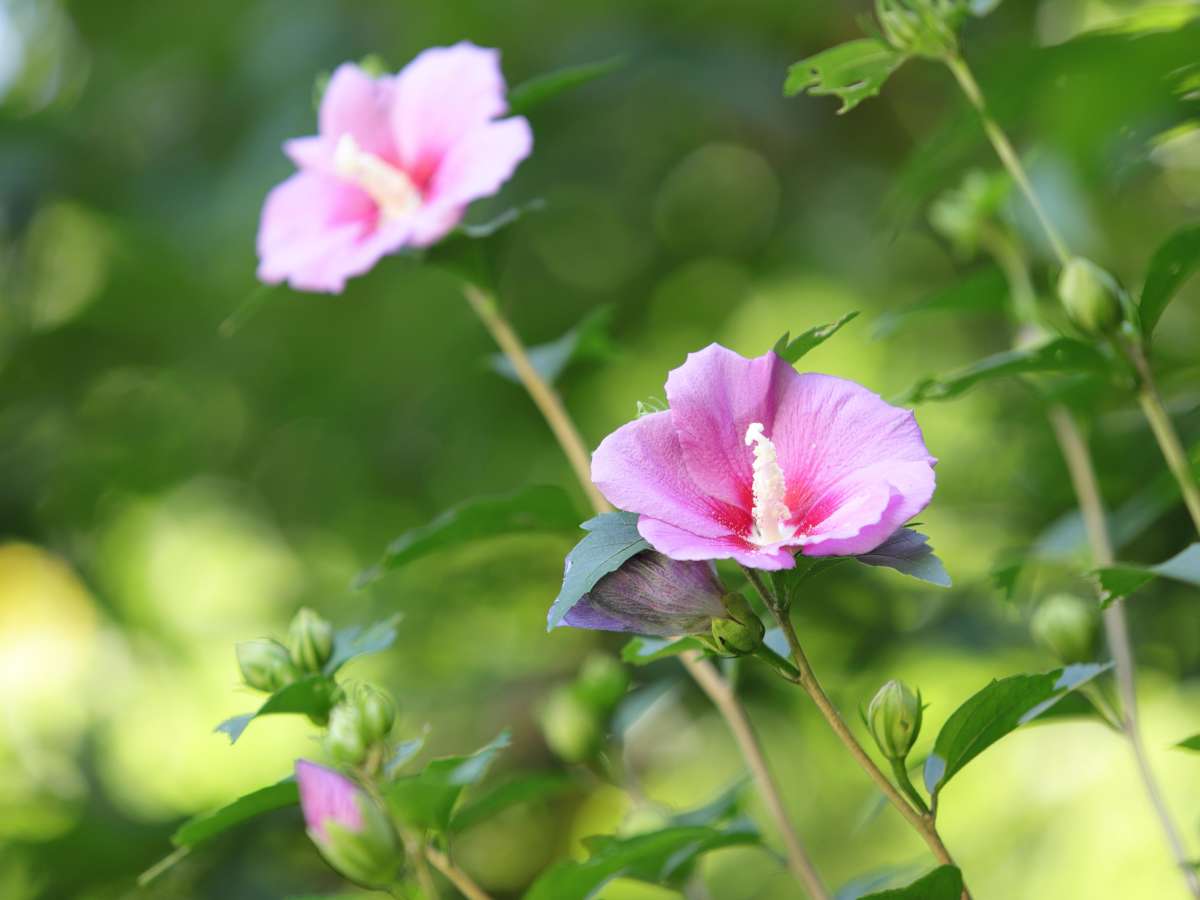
(392, 190)
(770, 488)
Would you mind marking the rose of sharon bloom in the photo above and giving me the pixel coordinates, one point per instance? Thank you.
(754, 461)
(396, 163)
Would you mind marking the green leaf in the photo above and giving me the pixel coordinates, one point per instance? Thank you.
(721, 808)
(427, 799)
(1058, 355)
(531, 509)
(993, 712)
(536, 91)
(1192, 743)
(943, 883)
(908, 551)
(1172, 264)
(1123, 579)
(659, 857)
(641, 651)
(792, 350)
(526, 788)
(477, 230)
(209, 825)
(587, 341)
(403, 754)
(312, 696)
(982, 291)
(354, 641)
(852, 71)
(611, 539)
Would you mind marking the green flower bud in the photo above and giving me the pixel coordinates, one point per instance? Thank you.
(921, 27)
(1066, 625)
(346, 740)
(894, 718)
(377, 712)
(570, 725)
(310, 640)
(348, 827)
(740, 633)
(265, 665)
(1091, 297)
(602, 683)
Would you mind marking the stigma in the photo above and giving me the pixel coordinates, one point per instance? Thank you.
(770, 488)
(392, 190)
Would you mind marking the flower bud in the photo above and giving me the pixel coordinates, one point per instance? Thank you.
(652, 594)
(346, 739)
(1091, 296)
(742, 631)
(921, 27)
(348, 827)
(602, 683)
(894, 718)
(377, 712)
(1066, 626)
(265, 665)
(571, 726)
(310, 640)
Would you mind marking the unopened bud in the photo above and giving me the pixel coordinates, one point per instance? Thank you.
(348, 827)
(1066, 626)
(921, 27)
(894, 718)
(1090, 296)
(377, 712)
(602, 682)
(742, 631)
(570, 725)
(346, 740)
(310, 640)
(265, 664)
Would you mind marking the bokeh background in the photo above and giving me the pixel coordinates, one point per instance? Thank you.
(185, 459)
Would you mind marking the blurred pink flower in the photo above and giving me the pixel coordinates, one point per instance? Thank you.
(327, 796)
(396, 163)
(754, 461)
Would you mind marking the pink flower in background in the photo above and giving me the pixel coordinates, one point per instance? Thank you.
(327, 796)
(396, 163)
(754, 461)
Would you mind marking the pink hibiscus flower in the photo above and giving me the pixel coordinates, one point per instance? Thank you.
(754, 461)
(396, 163)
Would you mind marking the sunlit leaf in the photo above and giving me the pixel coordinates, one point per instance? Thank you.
(943, 883)
(641, 651)
(531, 509)
(1122, 580)
(908, 551)
(587, 341)
(793, 349)
(355, 640)
(995, 711)
(312, 696)
(427, 798)
(1192, 743)
(208, 825)
(528, 788)
(982, 291)
(611, 539)
(1172, 264)
(536, 91)
(852, 72)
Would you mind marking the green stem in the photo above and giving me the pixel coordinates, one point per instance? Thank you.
(900, 771)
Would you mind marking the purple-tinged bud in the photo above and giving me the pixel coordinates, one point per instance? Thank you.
(265, 665)
(348, 827)
(652, 594)
(894, 718)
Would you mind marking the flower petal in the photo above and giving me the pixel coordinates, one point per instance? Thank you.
(359, 105)
(680, 544)
(326, 795)
(444, 94)
(481, 162)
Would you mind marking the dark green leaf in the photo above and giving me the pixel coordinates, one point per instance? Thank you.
(1122, 580)
(1192, 743)
(537, 508)
(1172, 264)
(427, 799)
(641, 651)
(993, 712)
(355, 641)
(311, 696)
(536, 91)
(982, 291)
(660, 857)
(852, 71)
(943, 883)
(527, 788)
(611, 539)
(794, 349)
(908, 551)
(1058, 355)
(208, 825)
(587, 341)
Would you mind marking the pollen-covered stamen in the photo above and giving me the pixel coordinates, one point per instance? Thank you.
(392, 190)
(770, 489)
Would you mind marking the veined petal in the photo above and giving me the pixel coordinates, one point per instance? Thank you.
(868, 507)
(681, 544)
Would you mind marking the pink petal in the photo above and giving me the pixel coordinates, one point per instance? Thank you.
(440, 97)
(312, 153)
(359, 105)
(478, 164)
(861, 522)
(683, 545)
(639, 468)
(326, 795)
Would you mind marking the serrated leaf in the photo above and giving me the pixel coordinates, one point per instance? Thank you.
(641, 651)
(943, 883)
(998, 709)
(982, 291)
(1058, 355)
(1192, 743)
(793, 349)
(611, 539)
(536, 91)
(587, 341)
(355, 640)
(1172, 264)
(852, 72)
(208, 825)
(526, 788)
(659, 857)
(312, 696)
(908, 551)
(1122, 580)
(427, 799)
(544, 508)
